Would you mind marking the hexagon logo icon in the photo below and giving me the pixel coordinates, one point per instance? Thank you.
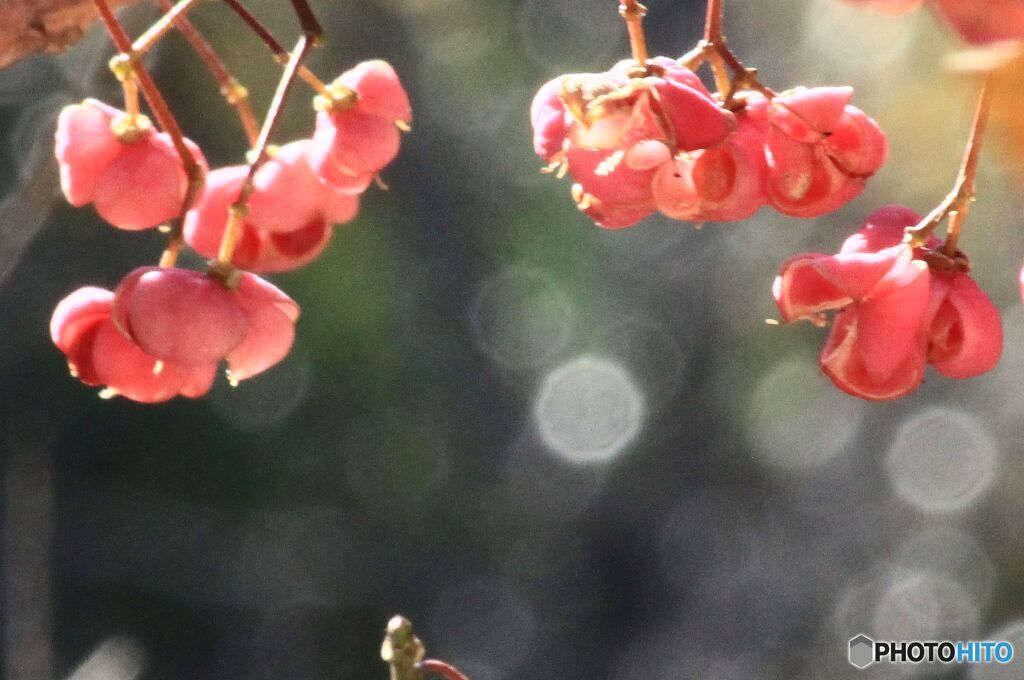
(862, 651)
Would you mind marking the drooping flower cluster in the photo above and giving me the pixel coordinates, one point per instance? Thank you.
(163, 331)
(309, 184)
(897, 308)
(975, 21)
(642, 139)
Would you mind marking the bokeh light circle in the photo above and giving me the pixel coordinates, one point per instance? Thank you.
(589, 410)
(521, 318)
(942, 460)
(798, 420)
(925, 606)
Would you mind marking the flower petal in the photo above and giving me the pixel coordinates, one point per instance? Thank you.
(846, 366)
(965, 332)
(271, 317)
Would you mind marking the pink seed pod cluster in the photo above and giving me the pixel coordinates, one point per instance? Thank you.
(614, 130)
(310, 184)
(131, 174)
(895, 312)
(635, 145)
(975, 21)
(163, 331)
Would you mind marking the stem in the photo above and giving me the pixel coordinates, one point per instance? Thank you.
(633, 13)
(234, 92)
(311, 28)
(153, 34)
(957, 204)
(714, 50)
(131, 99)
(713, 22)
(280, 53)
(718, 68)
(964, 188)
(166, 121)
(441, 668)
(239, 208)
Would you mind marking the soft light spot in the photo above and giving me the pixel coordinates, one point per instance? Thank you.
(521, 319)
(942, 460)
(924, 606)
(589, 410)
(796, 420)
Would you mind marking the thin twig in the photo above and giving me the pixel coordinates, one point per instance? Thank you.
(956, 205)
(279, 52)
(234, 92)
(633, 13)
(239, 208)
(152, 36)
(713, 21)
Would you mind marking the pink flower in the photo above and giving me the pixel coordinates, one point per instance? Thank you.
(135, 179)
(287, 195)
(622, 187)
(355, 140)
(894, 314)
(379, 90)
(178, 315)
(965, 332)
(288, 224)
(98, 354)
(674, 105)
(190, 319)
(820, 151)
(549, 119)
(614, 130)
(722, 183)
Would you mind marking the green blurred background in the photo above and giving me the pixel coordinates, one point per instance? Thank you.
(563, 452)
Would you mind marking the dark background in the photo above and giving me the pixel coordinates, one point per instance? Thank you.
(563, 452)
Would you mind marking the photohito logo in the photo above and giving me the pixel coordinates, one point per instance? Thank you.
(864, 651)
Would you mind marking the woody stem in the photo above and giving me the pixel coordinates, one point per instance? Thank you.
(233, 91)
(713, 22)
(957, 203)
(239, 208)
(964, 188)
(153, 34)
(633, 13)
(280, 53)
(166, 121)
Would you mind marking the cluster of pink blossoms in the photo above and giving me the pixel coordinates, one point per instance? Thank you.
(898, 309)
(163, 331)
(642, 139)
(975, 21)
(309, 184)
